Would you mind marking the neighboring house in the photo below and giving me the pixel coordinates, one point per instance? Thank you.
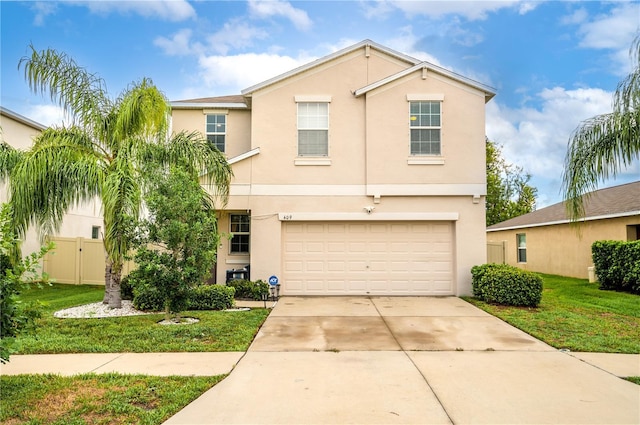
(360, 173)
(546, 241)
(83, 221)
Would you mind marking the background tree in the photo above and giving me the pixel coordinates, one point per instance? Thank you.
(508, 191)
(102, 153)
(604, 145)
(177, 245)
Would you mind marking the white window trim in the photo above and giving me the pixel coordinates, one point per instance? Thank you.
(226, 124)
(425, 97)
(235, 254)
(426, 159)
(312, 159)
(312, 98)
(518, 248)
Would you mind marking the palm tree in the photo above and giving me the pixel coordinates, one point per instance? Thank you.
(103, 153)
(604, 145)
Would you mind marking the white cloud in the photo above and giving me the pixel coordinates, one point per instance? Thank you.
(234, 73)
(42, 10)
(170, 10)
(471, 10)
(179, 44)
(536, 138)
(598, 33)
(48, 115)
(266, 9)
(235, 34)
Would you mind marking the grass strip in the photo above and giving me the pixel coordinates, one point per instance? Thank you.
(97, 399)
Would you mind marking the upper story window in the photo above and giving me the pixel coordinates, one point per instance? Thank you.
(217, 130)
(239, 228)
(313, 129)
(426, 126)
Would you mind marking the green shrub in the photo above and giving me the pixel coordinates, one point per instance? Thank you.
(617, 265)
(201, 297)
(506, 285)
(248, 289)
(211, 297)
(126, 290)
(147, 297)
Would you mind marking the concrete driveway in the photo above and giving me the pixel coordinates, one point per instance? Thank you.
(406, 360)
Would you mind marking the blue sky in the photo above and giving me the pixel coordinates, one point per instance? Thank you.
(553, 63)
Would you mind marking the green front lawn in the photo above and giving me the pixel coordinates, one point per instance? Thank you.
(576, 315)
(216, 331)
(97, 399)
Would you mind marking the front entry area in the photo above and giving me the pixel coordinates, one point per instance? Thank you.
(368, 258)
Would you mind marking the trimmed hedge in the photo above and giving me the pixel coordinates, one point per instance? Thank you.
(201, 297)
(506, 285)
(617, 265)
(211, 297)
(248, 289)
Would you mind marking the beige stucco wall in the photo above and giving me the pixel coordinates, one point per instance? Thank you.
(563, 249)
(368, 155)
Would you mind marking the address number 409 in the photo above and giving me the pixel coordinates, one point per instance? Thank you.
(287, 217)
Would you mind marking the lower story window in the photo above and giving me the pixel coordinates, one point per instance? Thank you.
(521, 240)
(239, 228)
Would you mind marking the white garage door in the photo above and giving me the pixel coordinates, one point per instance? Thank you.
(367, 258)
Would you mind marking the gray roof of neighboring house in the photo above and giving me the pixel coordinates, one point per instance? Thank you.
(616, 201)
(20, 118)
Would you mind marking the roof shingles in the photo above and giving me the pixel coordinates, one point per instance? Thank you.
(618, 200)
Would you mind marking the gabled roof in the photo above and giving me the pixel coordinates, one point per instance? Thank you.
(489, 92)
(401, 56)
(22, 119)
(617, 201)
(228, 102)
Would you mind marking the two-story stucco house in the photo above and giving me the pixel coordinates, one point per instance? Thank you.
(361, 173)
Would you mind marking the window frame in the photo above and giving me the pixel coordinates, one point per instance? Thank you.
(95, 232)
(311, 128)
(430, 127)
(239, 233)
(216, 134)
(521, 251)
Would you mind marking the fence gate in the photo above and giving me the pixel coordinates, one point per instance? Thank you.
(496, 252)
(76, 261)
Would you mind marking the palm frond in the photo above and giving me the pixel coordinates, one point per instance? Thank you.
(9, 157)
(203, 158)
(121, 201)
(81, 94)
(142, 110)
(600, 148)
(59, 172)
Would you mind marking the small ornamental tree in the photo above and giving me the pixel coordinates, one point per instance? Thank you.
(176, 245)
(16, 274)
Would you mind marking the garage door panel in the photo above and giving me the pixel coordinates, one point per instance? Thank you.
(405, 258)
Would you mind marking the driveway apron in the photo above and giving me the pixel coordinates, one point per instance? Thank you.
(406, 360)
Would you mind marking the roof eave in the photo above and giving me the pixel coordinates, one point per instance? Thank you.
(566, 221)
(197, 105)
(22, 119)
(489, 92)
